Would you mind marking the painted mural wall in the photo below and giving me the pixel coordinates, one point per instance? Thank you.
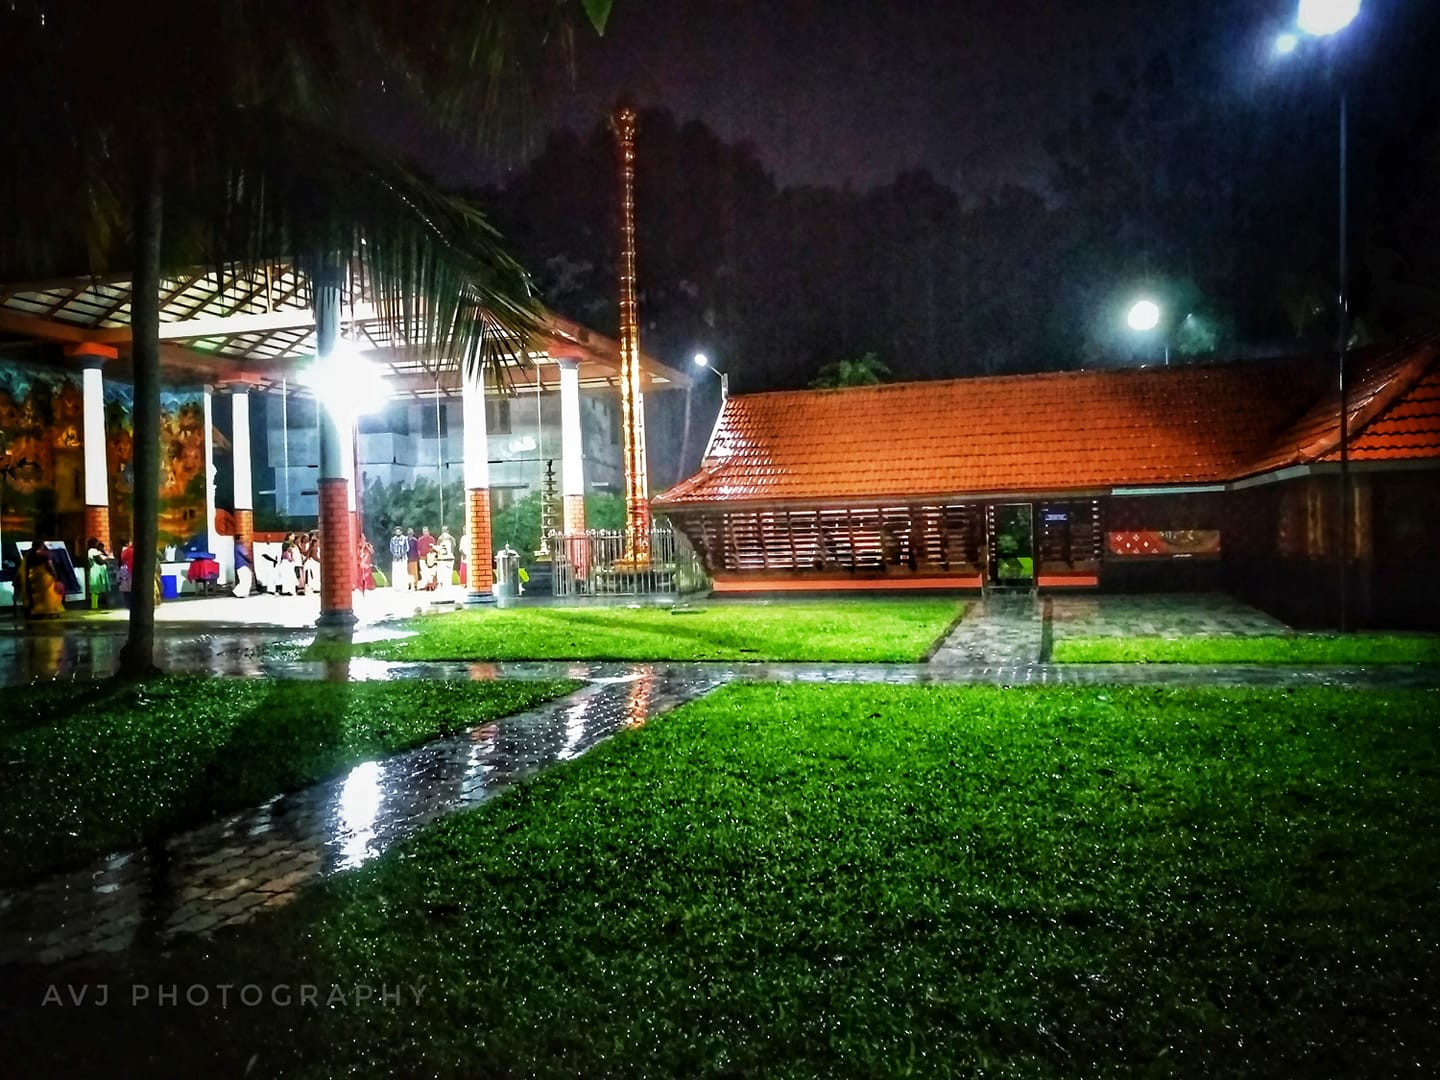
(42, 463)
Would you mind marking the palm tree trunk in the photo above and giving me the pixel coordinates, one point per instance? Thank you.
(137, 658)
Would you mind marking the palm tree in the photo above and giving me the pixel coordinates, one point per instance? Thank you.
(154, 136)
(866, 370)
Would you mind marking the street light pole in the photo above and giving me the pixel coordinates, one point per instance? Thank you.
(1324, 19)
(1342, 348)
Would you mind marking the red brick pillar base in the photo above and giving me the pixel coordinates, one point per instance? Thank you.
(337, 562)
(97, 524)
(574, 513)
(480, 573)
(245, 529)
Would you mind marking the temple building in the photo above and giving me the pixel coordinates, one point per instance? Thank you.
(1201, 477)
(251, 339)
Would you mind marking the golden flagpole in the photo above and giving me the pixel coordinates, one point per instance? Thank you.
(632, 407)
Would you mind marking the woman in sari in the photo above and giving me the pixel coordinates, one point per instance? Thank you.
(366, 581)
(42, 596)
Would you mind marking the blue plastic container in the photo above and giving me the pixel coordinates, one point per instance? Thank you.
(169, 586)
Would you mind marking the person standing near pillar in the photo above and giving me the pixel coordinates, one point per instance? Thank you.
(445, 555)
(399, 560)
(412, 558)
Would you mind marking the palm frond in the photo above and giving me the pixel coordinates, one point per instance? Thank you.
(434, 265)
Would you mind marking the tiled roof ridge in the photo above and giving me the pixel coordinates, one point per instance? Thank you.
(1393, 390)
(1413, 358)
(1024, 376)
(1196, 423)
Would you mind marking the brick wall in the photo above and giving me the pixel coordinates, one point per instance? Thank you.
(481, 555)
(245, 528)
(574, 513)
(97, 524)
(337, 561)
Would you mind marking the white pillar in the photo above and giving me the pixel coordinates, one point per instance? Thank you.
(240, 448)
(208, 396)
(572, 449)
(477, 443)
(97, 486)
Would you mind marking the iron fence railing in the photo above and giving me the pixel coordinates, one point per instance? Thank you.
(600, 563)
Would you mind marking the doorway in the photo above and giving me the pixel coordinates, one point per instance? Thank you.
(1013, 545)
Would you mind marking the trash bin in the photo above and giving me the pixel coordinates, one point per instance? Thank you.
(507, 572)
(169, 586)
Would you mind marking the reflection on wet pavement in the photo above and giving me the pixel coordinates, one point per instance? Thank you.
(231, 870)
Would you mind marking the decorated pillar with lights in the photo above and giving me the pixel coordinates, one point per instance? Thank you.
(240, 466)
(572, 447)
(480, 571)
(97, 475)
(632, 405)
(336, 549)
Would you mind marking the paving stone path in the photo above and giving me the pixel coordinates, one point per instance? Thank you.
(232, 870)
(1001, 629)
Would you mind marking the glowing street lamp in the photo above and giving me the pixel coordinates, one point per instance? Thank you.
(1323, 19)
(700, 361)
(1144, 316)
(703, 361)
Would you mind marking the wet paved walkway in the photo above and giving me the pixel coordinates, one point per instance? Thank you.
(234, 869)
(229, 871)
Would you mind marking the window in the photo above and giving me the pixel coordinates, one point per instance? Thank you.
(497, 416)
(429, 416)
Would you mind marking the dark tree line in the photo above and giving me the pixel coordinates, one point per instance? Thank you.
(1215, 195)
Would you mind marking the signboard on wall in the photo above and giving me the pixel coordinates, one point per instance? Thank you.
(1174, 544)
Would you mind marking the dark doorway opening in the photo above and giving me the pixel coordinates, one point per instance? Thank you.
(1013, 545)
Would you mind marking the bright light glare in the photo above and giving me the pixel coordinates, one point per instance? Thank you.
(1285, 44)
(347, 383)
(1144, 315)
(701, 360)
(1321, 18)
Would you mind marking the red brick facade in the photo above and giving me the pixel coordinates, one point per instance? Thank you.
(481, 572)
(337, 562)
(97, 524)
(574, 513)
(245, 527)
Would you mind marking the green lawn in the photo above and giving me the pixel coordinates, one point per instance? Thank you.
(822, 880)
(835, 630)
(91, 767)
(1297, 649)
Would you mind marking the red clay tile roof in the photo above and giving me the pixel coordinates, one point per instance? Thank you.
(1065, 431)
(1394, 413)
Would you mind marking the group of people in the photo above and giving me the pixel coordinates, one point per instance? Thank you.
(298, 571)
(40, 587)
(425, 562)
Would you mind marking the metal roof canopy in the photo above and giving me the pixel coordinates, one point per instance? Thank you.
(256, 327)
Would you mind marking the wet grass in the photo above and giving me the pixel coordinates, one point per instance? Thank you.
(87, 768)
(826, 880)
(1291, 649)
(836, 630)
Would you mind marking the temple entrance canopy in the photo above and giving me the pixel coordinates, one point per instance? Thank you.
(255, 331)
(259, 328)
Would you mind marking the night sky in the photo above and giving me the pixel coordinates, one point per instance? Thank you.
(839, 92)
